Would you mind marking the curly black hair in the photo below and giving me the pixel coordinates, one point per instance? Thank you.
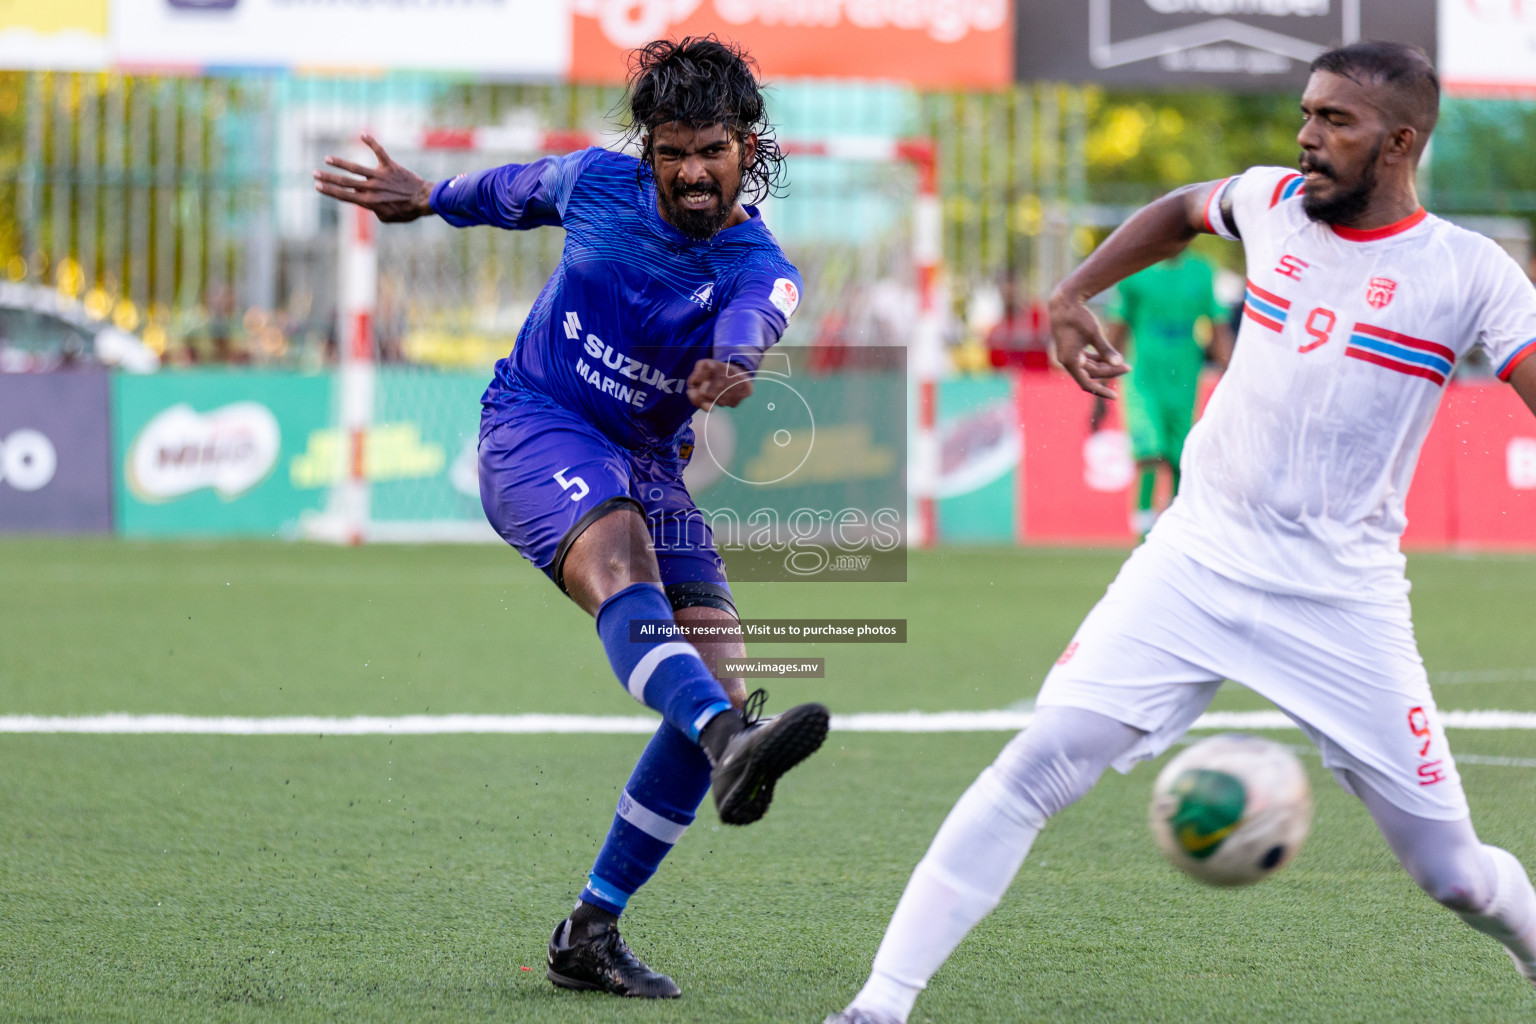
(698, 81)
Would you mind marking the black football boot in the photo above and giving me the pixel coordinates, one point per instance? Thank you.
(601, 961)
(753, 760)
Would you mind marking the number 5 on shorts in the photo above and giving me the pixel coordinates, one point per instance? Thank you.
(575, 481)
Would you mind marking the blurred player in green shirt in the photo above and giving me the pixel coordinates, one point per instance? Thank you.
(1164, 319)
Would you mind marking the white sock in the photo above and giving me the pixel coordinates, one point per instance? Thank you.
(961, 879)
(1511, 914)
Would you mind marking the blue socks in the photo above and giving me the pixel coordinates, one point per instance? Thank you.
(656, 807)
(667, 674)
(661, 797)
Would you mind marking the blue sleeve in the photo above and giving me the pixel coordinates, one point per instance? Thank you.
(756, 316)
(516, 196)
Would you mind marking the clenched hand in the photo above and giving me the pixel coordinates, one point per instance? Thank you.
(713, 382)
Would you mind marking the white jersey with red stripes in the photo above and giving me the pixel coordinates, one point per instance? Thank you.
(1295, 477)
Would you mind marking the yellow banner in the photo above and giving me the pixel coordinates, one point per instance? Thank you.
(88, 16)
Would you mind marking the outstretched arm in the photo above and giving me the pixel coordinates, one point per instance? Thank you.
(394, 193)
(515, 196)
(1155, 232)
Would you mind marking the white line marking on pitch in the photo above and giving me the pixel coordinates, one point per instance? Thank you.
(1501, 762)
(429, 725)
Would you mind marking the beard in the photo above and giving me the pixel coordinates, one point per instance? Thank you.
(1348, 203)
(700, 225)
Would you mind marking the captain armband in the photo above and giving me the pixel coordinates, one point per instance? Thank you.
(1219, 214)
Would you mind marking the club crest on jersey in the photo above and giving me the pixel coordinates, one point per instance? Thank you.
(704, 298)
(1379, 292)
(784, 296)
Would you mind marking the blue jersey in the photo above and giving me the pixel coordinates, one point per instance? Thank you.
(634, 303)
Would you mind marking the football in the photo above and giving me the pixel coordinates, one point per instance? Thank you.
(1231, 809)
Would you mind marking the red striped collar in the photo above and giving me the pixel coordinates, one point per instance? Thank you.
(1376, 234)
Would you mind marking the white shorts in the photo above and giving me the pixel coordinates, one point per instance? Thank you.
(1152, 653)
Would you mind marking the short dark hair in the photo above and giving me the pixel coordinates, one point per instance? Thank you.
(699, 81)
(1405, 70)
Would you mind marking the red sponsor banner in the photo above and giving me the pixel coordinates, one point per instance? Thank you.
(1486, 439)
(1474, 488)
(936, 43)
(1074, 483)
(1432, 498)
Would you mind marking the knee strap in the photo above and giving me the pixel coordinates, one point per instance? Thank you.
(556, 568)
(700, 594)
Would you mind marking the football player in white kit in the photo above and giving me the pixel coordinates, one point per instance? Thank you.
(1278, 564)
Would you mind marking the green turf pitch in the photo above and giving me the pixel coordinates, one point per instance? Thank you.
(298, 878)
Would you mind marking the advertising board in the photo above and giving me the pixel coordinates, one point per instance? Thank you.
(514, 38)
(1474, 486)
(203, 453)
(954, 43)
(980, 447)
(1243, 45)
(1488, 47)
(806, 481)
(55, 453)
(53, 35)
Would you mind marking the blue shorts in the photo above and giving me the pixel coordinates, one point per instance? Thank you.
(547, 474)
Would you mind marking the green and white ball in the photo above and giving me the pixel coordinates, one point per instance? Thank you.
(1231, 810)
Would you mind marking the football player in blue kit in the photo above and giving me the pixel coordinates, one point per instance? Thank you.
(668, 292)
